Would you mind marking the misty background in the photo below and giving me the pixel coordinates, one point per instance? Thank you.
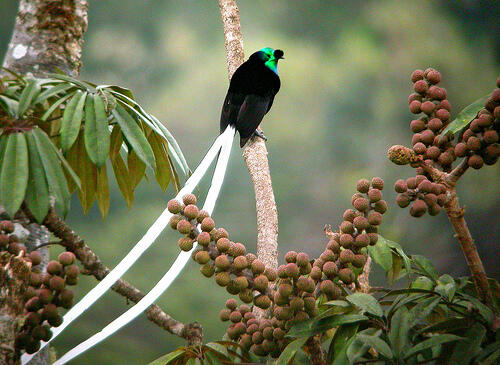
(343, 103)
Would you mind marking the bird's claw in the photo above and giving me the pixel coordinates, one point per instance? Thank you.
(260, 134)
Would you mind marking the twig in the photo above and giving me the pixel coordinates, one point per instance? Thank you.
(316, 352)
(457, 172)
(191, 332)
(456, 217)
(363, 279)
(48, 243)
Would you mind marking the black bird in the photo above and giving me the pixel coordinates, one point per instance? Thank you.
(251, 93)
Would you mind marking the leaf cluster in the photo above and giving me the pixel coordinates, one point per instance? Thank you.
(57, 135)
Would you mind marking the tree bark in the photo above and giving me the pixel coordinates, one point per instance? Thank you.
(48, 35)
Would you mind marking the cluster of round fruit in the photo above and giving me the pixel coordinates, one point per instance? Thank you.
(261, 336)
(479, 142)
(345, 254)
(425, 195)
(241, 273)
(298, 282)
(293, 301)
(430, 100)
(8, 240)
(46, 293)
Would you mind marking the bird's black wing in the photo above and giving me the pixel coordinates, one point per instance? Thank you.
(250, 115)
(230, 109)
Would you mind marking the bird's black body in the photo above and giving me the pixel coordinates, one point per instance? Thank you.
(251, 93)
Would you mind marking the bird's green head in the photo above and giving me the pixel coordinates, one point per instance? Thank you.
(270, 57)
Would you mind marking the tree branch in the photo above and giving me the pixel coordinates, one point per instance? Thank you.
(192, 332)
(255, 154)
(456, 217)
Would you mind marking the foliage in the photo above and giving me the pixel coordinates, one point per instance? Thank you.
(436, 318)
(90, 124)
(319, 304)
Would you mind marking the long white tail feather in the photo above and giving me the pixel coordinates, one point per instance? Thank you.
(174, 270)
(146, 241)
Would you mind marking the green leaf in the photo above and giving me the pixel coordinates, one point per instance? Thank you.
(449, 325)
(51, 91)
(483, 309)
(366, 302)
(378, 344)
(134, 135)
(174, 149)
(123, 179)
(340, 343)
(9, 105)
(102, 192)
(464, 117)
(163, 166)
(168, 358)
(14, 173)
(492, 359)
(58, 186)
(72, 120)
(96, 130)
(30, 91)
(471, 345)
(136, 168)
(54, 106)
(312, 327)
(289, 351)
(37, 193)
(119, 168)
(446, 286)
(396, 271)
(87, 86)
(431, 342)
(426, 266)
(87, 172)
(381, 254)
(399, 331)
(422, 310)
(399, 251)
(219, 349)
(134, 107)
(358, 348)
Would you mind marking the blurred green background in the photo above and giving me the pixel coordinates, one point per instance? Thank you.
(343, 103)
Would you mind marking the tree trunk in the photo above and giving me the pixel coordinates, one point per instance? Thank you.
(47, 37)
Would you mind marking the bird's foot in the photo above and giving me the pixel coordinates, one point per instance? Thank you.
(260, 134)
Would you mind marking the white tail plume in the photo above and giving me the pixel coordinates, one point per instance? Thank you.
(146, 241)
(174, 270)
